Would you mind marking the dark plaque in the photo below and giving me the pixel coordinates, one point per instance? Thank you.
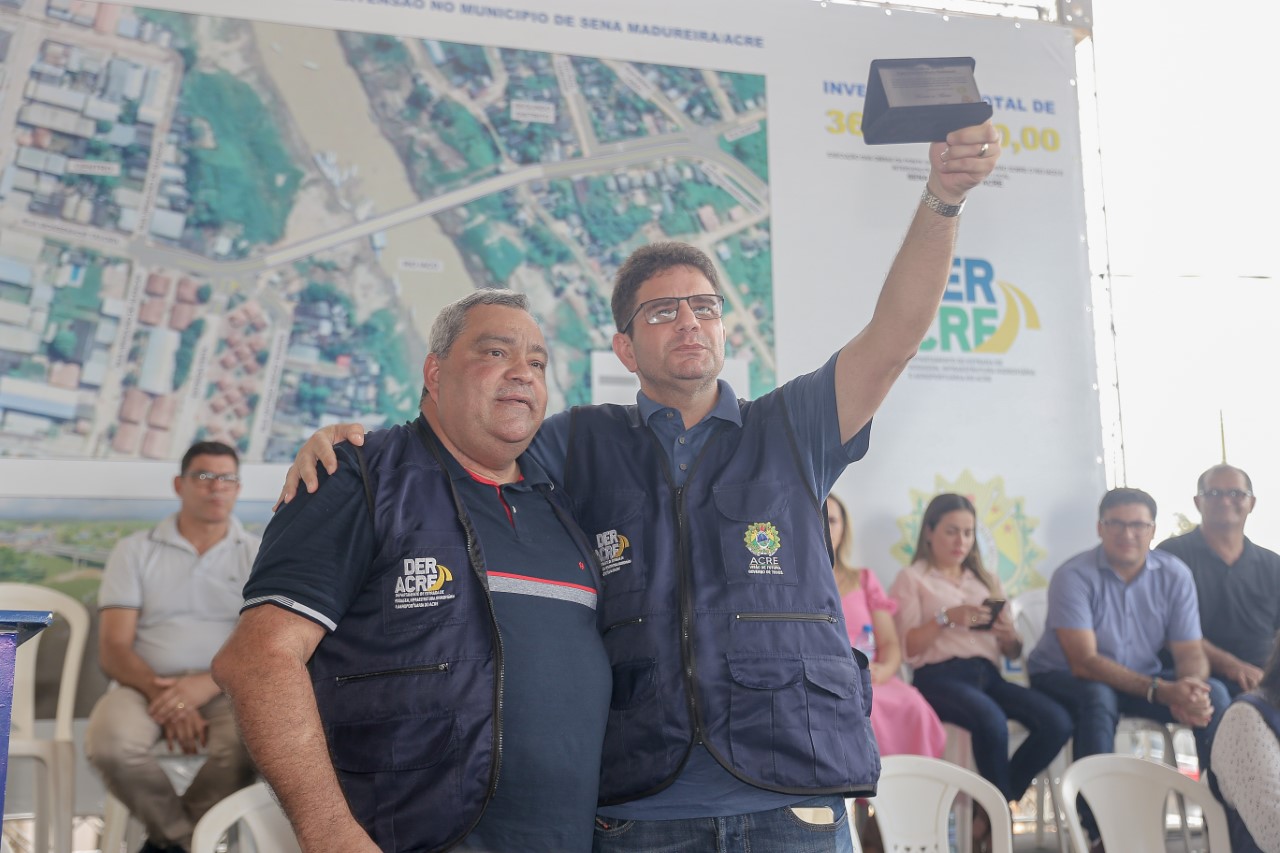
(921, 100)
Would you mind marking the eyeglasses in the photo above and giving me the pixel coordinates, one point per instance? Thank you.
(1115, 525)
(208, 478)
(655, 312)
(1233, 494)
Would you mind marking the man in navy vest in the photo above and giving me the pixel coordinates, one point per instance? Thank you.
(738, 717)
(417, 665)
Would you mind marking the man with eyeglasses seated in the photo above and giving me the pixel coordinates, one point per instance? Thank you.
(169, 598)
(1112, 609)
(1237, 582)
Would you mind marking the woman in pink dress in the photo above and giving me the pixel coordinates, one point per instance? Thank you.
(903, 722)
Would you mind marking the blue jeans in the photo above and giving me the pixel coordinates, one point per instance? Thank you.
(777, 829)
(1096, 710)
(972, 694)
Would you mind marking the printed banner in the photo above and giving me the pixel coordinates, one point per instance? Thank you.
(237, 220)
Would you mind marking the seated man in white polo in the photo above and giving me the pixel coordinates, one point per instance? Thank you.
(170, 596)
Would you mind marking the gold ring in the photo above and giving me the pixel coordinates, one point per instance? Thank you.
(982, 152)
(182, 705)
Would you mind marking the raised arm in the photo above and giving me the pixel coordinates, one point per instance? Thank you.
(869, 364)
(263, 668)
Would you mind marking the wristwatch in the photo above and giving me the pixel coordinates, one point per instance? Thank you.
(939, 206)
(943, 619)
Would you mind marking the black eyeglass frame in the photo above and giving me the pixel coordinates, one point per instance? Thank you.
(1233, 494)
(719, 301)
(208, 478)
(1117, 525)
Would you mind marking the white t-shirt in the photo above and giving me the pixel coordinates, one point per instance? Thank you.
(187, 602)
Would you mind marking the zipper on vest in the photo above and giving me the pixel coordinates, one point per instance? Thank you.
(624, 623)
(387, 673)
(495, 764)
(785, 617)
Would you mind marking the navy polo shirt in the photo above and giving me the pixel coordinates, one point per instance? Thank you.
(1240, 603)
(556, 675)
(557, 680)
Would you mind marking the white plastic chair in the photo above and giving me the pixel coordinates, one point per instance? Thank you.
(55, 758)
(119, 826)
(913, 804)
(1128, 796)
(256, 810)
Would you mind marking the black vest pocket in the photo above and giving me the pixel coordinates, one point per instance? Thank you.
(634, 737)
(839, 708)
(389, 769)
(756, 545)
(634, 683)
(615, 526)
(798, 722)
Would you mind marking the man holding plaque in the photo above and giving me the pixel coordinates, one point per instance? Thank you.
(738, 718)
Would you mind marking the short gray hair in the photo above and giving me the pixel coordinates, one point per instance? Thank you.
(452, 318)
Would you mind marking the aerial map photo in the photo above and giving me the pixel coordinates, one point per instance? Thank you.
(194, 245)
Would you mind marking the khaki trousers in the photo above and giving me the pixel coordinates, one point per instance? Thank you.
(119, 743)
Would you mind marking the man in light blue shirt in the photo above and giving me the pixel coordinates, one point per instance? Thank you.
(1111, 611)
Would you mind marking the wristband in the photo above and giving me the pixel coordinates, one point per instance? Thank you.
(1151, 690)
(943, 619)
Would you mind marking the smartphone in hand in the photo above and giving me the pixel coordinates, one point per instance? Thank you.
(995, 605)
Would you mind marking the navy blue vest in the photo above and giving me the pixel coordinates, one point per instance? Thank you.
(720, 612)
(1241, 840)
(409, 684)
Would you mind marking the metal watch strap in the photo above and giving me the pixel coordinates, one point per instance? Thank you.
(939, 206)
(943, 619)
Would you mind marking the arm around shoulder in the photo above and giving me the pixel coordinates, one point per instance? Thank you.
(912, 291)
